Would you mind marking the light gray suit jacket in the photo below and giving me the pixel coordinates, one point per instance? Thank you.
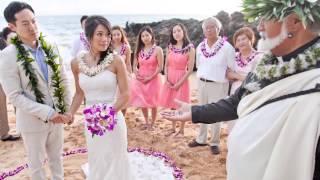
(31, 116)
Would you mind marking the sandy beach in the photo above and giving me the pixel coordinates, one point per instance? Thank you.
(196, 163)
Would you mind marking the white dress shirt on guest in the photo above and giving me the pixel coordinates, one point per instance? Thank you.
(77, 46)
(214, 68)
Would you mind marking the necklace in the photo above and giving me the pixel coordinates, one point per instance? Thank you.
(84, 41)
(24, 57)
(182, 50)
(271, 67)
(94, 70)
(242, 63)
(146, 55)
(219, 44)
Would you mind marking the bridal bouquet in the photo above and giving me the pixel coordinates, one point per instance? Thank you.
(99, 118)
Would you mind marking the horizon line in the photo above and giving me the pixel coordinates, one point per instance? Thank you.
(130, 14)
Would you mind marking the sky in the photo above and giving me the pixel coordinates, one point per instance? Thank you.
(78, 7)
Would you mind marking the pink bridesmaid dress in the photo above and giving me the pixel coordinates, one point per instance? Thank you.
(146, 95)
(177, 67)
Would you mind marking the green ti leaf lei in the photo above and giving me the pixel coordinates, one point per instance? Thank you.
(307, 10)
(25, 59)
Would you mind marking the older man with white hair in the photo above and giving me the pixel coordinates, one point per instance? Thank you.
(276, 136)
(213, 57)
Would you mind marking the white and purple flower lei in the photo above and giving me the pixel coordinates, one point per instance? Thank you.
(242, 63)
(147, 55)
(180, 51)
(100, 118)
(220, 43)
(84, 41)
(122, 49)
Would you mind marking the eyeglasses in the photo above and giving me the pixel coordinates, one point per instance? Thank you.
(210, 28)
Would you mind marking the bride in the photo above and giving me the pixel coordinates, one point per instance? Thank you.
(98, 74)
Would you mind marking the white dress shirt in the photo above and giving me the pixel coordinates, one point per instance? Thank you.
(77, 46)
(214, 68)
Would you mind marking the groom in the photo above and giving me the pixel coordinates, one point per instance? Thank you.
(34, 80)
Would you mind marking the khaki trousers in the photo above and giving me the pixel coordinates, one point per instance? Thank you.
(210, 92)
(4, 125)
(40, 145)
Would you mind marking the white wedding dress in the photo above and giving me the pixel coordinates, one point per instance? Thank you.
(108, 158)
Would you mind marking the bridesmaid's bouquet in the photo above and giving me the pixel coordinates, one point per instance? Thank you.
(99, 118)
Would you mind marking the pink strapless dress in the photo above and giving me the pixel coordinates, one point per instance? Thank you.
(177, 67)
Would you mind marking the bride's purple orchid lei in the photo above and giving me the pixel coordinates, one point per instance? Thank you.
(100, 118)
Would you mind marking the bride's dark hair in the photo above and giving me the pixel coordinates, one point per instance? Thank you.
(91, 25)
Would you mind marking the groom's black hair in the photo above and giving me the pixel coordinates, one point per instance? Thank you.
(13, 8)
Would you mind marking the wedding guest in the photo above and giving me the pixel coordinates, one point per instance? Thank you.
(3, 44)
(4, 123)
(146, 85)
(7, 34)
(246, 58)
(178, 67)
(214, 56)
(80, 43)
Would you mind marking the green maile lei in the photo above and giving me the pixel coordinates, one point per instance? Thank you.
(23, 56)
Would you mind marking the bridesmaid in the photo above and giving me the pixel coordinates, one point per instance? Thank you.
(121, 46)
(178, 67)
(147, 65)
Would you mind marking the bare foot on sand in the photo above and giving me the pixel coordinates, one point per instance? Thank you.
(151, 127)
(144, 126)
(170, 132)
(179, 134)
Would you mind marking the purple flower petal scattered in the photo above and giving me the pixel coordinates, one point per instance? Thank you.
(177, 172)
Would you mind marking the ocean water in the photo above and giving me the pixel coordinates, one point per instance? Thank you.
(63, 29)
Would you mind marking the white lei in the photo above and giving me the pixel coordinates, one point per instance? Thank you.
(267, 70)
(92, 71)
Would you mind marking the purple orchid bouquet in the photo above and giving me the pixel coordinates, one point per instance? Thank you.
(99, 118)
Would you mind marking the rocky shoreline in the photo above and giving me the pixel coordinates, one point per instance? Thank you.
(230, 24)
